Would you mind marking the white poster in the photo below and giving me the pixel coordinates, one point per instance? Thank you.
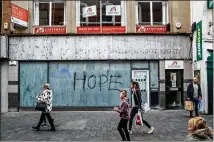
(173, 79)
(89, 11)
(113, 10)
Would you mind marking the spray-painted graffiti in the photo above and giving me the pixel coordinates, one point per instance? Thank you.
(91, 81)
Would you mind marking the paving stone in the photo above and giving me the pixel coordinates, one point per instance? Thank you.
(95, 126)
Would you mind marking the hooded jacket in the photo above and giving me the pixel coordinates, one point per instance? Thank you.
(201, 135)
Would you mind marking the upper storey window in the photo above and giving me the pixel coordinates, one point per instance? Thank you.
(100, 13)
(49, 13)
(152, 12)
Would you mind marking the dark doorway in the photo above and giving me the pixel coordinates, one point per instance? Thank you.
(174, 89)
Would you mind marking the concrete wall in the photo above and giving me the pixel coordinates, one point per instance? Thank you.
(178, 11)
(98, 47)
(131, 16)
(200, 12)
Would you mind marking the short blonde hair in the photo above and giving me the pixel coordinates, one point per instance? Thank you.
(46, 85)
(124, 92)
(197, 123)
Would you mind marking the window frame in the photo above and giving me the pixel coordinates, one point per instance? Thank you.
(123, 14)
(164, 12)
(36, 12)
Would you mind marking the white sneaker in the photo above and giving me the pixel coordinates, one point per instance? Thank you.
(130, 132)
(150, 130)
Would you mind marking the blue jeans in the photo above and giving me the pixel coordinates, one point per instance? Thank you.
(195, 103)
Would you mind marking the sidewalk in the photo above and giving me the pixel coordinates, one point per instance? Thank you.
(95, 126)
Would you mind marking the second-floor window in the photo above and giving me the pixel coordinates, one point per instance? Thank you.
(49, 13)
(152, 12)
(101, 10)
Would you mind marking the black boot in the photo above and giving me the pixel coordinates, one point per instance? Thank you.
(51, 122)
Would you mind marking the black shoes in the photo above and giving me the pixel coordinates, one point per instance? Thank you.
(52, 129)
(36, 128)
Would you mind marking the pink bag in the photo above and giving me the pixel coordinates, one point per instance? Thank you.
(139, 120)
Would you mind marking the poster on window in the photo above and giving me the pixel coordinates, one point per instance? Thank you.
(89, 11)
(173, 79)
(113, 10)
(197, 75)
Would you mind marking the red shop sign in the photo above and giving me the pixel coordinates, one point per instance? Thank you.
(114, 29)
(19, 15)
(97, 29)
(151, 29)
(88, 29)
(50, 30)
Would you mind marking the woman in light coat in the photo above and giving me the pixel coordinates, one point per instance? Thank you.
(46, 97)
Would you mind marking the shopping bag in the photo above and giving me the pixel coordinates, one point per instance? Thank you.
(189, 105)
(139, 119)
(200, 108)
(145, 107)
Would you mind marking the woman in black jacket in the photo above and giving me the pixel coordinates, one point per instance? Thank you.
(136, 104)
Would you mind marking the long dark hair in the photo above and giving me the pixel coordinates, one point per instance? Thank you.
(136, 84)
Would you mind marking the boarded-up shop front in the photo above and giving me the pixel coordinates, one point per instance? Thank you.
(88, 71)
(86, 83)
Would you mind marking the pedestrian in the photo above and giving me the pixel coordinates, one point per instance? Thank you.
(199, 130)
(194, 95)
(44, 122)
(46, 97)
(123, 110)
(136, 105)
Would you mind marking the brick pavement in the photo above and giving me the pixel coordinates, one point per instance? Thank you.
(95, 126)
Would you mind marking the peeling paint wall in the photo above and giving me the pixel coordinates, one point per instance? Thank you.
(98, 47)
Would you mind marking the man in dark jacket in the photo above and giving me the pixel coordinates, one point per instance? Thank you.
(194, 95)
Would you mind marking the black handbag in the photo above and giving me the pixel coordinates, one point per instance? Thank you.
(41, 106)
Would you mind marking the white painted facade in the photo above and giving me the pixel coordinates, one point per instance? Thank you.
(200, 12)
(99, 47)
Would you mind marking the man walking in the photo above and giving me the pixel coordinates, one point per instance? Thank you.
(194, 95)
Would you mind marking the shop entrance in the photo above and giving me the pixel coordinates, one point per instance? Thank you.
(174, 89)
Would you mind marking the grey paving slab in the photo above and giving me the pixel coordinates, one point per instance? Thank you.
(95, 126)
